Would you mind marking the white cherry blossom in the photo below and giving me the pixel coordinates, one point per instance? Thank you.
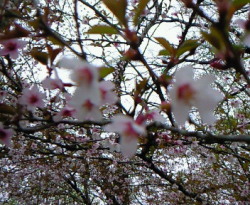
(108, 96)
(32, 98)
(82, 73)
(129, 131)
(52, 84)
(11, 47)
(5, 135)
(187, 92)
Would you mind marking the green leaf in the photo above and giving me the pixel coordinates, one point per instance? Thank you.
(214, 38)
(238, 4)
(102, 29)
(166, 45)
(187, 46)
(42, 57)
(164, 53)
(139, 10)
(104, 71)
(118, 8)
(55, 41)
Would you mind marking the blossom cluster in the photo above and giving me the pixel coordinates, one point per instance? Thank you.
(91, 93)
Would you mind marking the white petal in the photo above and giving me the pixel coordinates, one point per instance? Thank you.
(205, 81)
(246, 40)
(69, 62)
(82, 94)
(128, 146)
(14, 54)
(184, 75)
(206, 102)
(180, 111)
(118, 124)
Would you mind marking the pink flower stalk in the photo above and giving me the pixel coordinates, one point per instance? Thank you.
(52, 84)
(11, 47)
(108, 96)
(187, 92)
(32, 98)
(5, 135)
(129, 131)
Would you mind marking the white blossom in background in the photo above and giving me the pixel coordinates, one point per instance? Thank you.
(129, 132)
(11, 47)
(187, 92)
(32, 98)
(5, 135)
(242, 23)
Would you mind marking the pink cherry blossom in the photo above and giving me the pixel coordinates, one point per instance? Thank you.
(11, 47)
(32, 98)
(187, 92)
(86, 110)
(107, 94)
(52, 84)
(67, 111)
(150, 116)
(83, 73)
(5, 135)
(129, 131)
(86, 102)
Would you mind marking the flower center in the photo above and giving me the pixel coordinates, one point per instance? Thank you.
(88, 105)
(3, 134)
(11, 46)
(33, 99)
(186, 93)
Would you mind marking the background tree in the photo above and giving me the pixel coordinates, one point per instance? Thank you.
(95, 98)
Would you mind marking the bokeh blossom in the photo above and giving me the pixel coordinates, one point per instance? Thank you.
(187, 92)
(32, 98)
(5, 135)
(11, 47)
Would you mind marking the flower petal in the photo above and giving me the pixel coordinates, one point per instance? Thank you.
(184, 75)
(180, 111)
(128, 146)
(206, 102)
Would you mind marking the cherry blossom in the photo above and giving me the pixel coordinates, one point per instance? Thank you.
(5, 135)
(86, 102)
(11, 47)
(67, 111)
(150, 116)
(82, 73)
(86, 109)
(32, 98)
(187, 92)
(129, 131)
(107, 94)
(52, 84)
